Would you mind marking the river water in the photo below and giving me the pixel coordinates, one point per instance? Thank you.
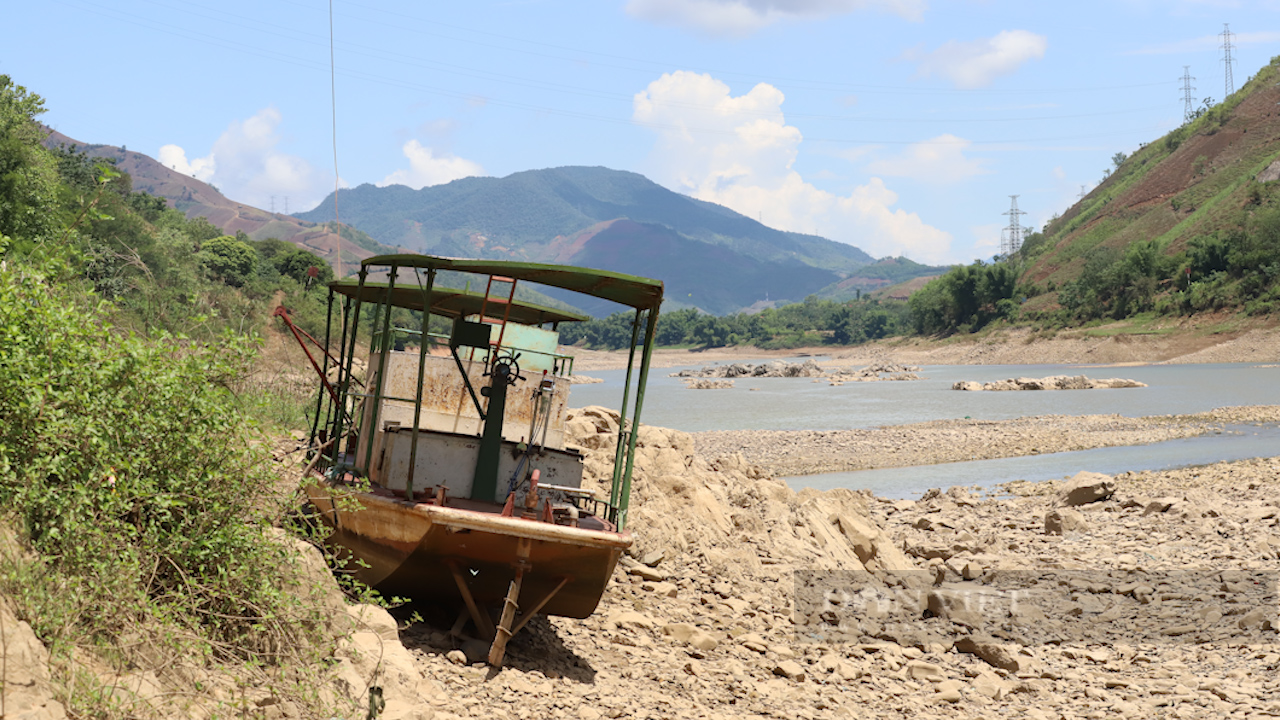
(802, 404)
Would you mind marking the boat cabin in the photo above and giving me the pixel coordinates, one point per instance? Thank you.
(470, 400)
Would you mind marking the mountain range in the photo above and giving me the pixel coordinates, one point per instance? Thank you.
(709, 256)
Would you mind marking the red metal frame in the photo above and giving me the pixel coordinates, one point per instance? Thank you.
(298, 333)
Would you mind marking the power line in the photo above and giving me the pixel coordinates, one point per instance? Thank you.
(1189, 105)
(337, 179)
(1083, 194)
(1227, 59)
(1011, 237)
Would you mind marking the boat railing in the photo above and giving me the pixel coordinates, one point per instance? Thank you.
(436, 338)
(561, 363)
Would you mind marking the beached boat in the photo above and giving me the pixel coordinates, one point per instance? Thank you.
(444, 470)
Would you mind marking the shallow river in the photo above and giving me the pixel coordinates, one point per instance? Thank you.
(802, 404)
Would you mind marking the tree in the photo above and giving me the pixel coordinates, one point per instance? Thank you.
(200, 230)
(30, 209)
(1118, 159)
(298, 263)
(229, 260)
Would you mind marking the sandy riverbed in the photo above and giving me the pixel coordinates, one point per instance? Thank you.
(1189, 341)
(805, 452)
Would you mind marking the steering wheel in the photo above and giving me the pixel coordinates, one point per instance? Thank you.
(513, 367)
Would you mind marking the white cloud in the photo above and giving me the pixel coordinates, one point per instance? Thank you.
(940, 160)
(738, 18)
(175, 158)
(739, 152)
(986, 239)
(975, 64)
(426, 168)
(246, 165)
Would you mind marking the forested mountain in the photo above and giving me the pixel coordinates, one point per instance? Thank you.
(709, 256)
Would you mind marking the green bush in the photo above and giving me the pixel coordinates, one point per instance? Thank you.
(230, 260)
(140, 488)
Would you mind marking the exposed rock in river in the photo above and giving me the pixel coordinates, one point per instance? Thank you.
(777, 368)
(807, 369)
(1053, 382)
(746, 599)
(703, 384)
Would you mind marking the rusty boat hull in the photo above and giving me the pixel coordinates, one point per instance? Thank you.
(423, 551)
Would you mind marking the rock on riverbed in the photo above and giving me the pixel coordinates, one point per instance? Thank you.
(807, 369)
(705, 384)
(1053, 382)
(777, 368)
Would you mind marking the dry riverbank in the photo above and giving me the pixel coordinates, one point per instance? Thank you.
(1144, 607)
(1197, 340)
(805, 452)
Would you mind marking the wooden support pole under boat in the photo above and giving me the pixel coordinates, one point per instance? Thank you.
(509, 606)
(528, 615)
(483, 624)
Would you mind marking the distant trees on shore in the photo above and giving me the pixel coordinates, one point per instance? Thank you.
(808, 323)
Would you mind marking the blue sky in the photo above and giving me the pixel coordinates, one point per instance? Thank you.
(899, 126)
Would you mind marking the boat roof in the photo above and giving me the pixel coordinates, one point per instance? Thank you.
(452, 303)
(638, 292)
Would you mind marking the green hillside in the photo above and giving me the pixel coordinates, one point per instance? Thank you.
(1211, 180)
(1188, 223)
(194, 199)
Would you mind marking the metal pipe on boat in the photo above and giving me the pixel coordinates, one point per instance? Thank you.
(324, 372)
(649, 342)
(422, 370)
(337, 408)
(615, 487)
(372, 429)
(349, 360)
(546, 417)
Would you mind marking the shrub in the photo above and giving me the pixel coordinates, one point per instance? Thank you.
(137, 484)
(229, 260)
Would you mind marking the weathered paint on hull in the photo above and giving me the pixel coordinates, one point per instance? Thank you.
(407, 548)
